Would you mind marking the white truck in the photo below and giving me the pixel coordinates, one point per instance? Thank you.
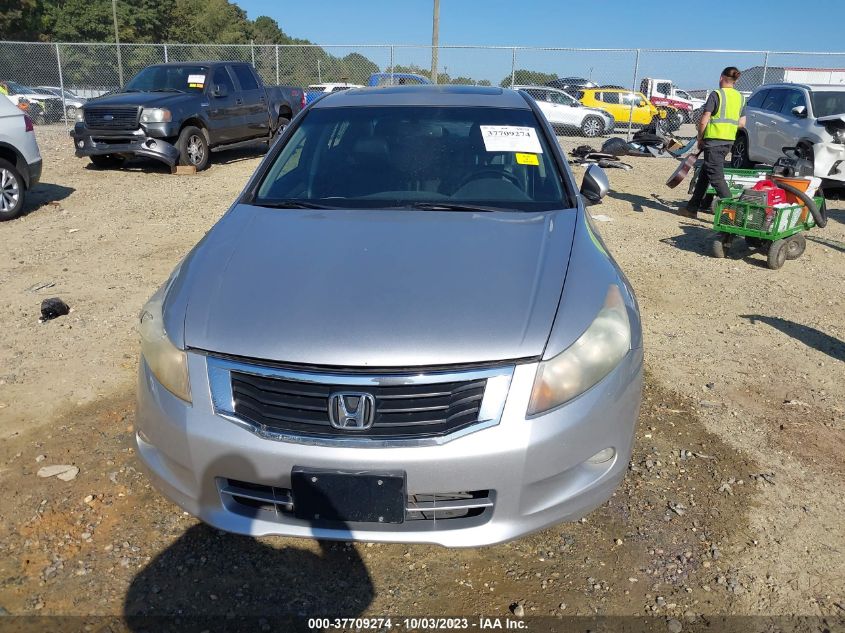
(663, 92)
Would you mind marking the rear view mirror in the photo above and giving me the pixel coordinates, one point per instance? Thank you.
(595, 185)
(800, 111)
(220, 91)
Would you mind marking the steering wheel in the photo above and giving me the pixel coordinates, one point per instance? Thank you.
(488, 173)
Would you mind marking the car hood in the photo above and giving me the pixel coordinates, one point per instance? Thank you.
(375, 288)
(145, 99)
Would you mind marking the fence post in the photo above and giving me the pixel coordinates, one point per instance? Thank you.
(765, 68)
(165, 54)
(513, 66)
(391, 64)
(633, 89)
(252, 50)
(61, 85)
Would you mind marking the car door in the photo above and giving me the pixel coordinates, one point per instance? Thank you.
(253, 103)
(224, 119)
(790, 127)
(753, 113)
(567, 109)
(768, 121)
(546, 107)
(610, 102)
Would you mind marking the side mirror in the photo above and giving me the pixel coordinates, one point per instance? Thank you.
(220, 91)
(595, 185)
(800, 111)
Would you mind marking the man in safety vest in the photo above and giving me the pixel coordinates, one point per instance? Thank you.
(722, 116)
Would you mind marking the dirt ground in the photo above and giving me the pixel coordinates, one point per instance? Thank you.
(733, 502)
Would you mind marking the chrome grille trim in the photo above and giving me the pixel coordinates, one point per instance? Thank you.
(490, 411)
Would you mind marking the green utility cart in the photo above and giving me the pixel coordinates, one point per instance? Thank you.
(777, 230)
(737, 179)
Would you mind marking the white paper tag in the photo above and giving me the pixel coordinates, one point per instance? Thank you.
(196, 79)
(511, 138)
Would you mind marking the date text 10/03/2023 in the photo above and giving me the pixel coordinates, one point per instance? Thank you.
(481, 623)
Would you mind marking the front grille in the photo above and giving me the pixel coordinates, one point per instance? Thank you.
(403, 411)
(262, 501)
(112, 117)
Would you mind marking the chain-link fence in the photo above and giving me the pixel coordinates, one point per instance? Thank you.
(53, 79)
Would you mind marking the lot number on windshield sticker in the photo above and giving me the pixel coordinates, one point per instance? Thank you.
(510, 138)
(196, 81)
(527, 159)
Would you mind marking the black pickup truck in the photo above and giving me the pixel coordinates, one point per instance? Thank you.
(178, 113)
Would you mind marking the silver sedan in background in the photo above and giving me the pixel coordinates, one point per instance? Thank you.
(405, 329)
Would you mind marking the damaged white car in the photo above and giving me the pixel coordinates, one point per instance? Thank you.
(809, 117)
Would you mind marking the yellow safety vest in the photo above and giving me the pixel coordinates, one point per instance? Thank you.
(725, 121)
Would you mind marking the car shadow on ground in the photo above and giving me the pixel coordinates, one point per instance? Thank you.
(209, 580)
(837, 215)
(641, 203)
(810, 336)
(43, 194)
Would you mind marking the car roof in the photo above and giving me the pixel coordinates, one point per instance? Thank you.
(536, 87)
(200, 63)
(810, 87)
(425, 95)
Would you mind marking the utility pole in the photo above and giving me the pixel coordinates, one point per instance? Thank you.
(117, 43)
(435, 40)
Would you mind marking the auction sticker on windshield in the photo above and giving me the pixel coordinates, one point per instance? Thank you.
(196, 81)
(511, 138)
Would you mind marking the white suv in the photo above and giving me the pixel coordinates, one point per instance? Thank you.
(20, 160)
(565, 112)
(810, 117)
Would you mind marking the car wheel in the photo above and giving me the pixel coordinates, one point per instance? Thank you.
(739, 153)
(777, 254)
(280, 126)
(12, 190)
(193, 148)
(795, 246)
(592, 126)
(107, 161)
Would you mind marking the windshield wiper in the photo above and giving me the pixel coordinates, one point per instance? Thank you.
(450, 206)
(166, 90)
(291, 204)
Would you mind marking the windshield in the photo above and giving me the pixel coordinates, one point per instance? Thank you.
(356, 157)
(169, 79)
(828, 103)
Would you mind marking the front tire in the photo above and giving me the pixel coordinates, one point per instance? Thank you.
(592, 126)
(739, 153)
(193, 148)
(12, 189)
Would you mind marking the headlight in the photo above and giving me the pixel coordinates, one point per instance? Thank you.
(155, 115)
(592, 357)
(168, 363)
(839, 135)
(80, 115)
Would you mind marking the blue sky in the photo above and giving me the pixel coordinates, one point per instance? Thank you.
(751, 25)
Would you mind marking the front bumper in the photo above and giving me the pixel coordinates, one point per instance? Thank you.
(91, 142)
(536, 470)
(829, 161)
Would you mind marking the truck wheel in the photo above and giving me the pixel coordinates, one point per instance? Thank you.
(193, 148)
(739, 153)
(592, 126)
(280, 125)
(11, 191)
(777, 254)
(795, 246)
(107, 161)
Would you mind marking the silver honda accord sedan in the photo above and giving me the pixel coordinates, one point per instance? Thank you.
(406, 329)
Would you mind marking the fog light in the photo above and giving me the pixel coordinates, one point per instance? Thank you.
(604, 455)
(80, 144)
